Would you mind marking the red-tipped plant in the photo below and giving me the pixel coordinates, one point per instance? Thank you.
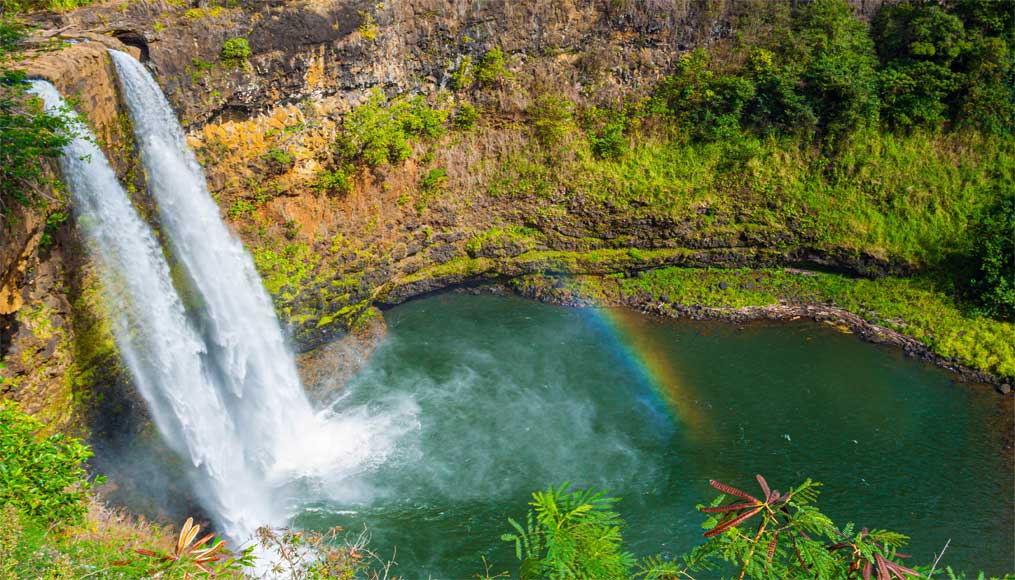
(188, 552)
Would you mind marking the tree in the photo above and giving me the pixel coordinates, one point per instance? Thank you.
(994, 255)
(838, 66)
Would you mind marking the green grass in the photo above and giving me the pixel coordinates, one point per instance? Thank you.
(916, 307)
(909, 198)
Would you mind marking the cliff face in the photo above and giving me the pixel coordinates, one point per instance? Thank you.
(596, 49)
(57, 351)
(327, 258)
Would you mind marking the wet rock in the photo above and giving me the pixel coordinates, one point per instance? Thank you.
(442, 253)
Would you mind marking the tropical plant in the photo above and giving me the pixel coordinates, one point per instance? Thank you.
(41, 476)
(993, 284)
(772, 535)
(570, 534)
(189, 558)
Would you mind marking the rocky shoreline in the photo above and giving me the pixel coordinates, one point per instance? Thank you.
(840, 317)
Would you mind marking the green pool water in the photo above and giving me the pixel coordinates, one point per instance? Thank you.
(514, 395)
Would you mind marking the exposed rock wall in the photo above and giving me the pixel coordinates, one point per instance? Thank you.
(593, 49)
(59, 359)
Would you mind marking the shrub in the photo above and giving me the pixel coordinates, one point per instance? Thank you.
(236, 51)
(463, 76)
(368, 27)
(708, 103)
(994, 256)
(336, 181)
(378, 131)
(607, 141)
(41, 476)
(491, 67)
(279, 158)
(465, 118)
(432, 184)
(552, 120)
(241, 208)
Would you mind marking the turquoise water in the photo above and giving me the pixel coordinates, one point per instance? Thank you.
(514, 396)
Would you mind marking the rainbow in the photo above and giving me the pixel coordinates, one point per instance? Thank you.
(644, 354)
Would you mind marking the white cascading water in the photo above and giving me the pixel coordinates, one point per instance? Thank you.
(162, 349)
(220, 381)
(283, 438)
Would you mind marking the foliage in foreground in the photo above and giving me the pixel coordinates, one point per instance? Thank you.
(576, 535)
(41, 476)
(568, 534)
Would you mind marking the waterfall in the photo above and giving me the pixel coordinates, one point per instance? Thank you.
(281, 437)
(163, 350)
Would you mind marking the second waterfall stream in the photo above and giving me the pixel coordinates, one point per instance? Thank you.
(262, 433)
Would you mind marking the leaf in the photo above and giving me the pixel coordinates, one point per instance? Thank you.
(183, 535)
(764, 487)
(732, 490)
(772, 546)
(722, 527)
(727, 508)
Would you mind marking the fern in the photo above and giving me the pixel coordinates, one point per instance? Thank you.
(576, 535)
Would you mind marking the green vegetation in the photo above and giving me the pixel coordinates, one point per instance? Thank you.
(993, 284)
(463, 76)
(465, 118)
(368, 27)
(552, 120)
(15, 7)
(491, 67)
(946, 64)
(336, 182)
(916, 307)
(577, 535)
(279, 160)
(819, 68)
(379, 131)
(29, 134)
(41, 477)
(236, 51)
